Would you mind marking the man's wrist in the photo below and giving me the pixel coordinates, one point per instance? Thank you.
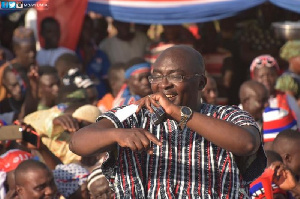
(175, 113)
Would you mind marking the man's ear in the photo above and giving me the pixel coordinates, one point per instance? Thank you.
(19, 189)
(202, 82)
(287, 158)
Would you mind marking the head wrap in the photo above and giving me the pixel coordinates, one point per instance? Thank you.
(95, 175)
(68, 178)
(290, 49)
(124, 96)
(263, 61)
(75, 77)
(12, 158)
(87, 112)
(23, 35)
(137, 68)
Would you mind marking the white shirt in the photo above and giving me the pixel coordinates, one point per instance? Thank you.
(118, 50)
(48, 57)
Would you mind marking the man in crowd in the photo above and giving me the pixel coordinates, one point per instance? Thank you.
(199, 150)
(126, 45)
(50, 32)
(24, 50)
(34, 180)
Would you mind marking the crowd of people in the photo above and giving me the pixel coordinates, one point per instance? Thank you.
(214, 114)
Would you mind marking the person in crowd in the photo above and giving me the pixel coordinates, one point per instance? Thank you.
(283, 112)
(34, 180)
(13, 157)
(171, 165)
(210, 91)
(5, 55)
(50, 32)
(126, 45)
(24, 49)
(49, 83)
(289, 81)
(136, 83)
(57, 127)
(95, 61)
(8, 163)
(286, 144)
(254, 99)
(171, 35)
(264, 186)
(66, 62)
(116, 78)
(23, 97)
(100, 29)
(74, 77)
(98, 185)
(71, 180)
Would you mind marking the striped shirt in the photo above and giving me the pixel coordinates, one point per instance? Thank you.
(185, 166)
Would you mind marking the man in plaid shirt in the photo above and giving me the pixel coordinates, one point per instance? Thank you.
(198, 151)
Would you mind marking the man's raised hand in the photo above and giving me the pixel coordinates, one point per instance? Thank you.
(137, 139)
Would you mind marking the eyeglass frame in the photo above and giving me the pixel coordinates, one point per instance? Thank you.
(166, 76)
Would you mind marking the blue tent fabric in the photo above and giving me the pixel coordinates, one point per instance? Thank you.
(174, 11)
(292, 5)
(193, 11)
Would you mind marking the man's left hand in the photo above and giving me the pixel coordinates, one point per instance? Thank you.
(156, 99)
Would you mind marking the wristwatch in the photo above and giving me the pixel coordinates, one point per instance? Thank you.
(186, 113)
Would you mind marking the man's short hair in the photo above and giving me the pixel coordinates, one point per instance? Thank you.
(47, 70)
(289, 134)
(68, 59)
(28, 165)
(48, 20)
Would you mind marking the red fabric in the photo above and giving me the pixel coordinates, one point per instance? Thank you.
(70, 15)
(12, 158)
(266, 179)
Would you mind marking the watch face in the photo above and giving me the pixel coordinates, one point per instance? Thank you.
(185, 110)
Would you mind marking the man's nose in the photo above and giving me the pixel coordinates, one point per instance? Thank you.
(213, 93)
(49, 190)
(165, 83)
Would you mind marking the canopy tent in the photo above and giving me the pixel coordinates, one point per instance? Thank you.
(172, 11)
(178, 11)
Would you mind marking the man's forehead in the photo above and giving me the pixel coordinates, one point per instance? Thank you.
(182, 58)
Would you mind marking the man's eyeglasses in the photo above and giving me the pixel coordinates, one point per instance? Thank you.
(154, 79)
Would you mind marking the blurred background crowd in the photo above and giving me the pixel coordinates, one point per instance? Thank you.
(51, 90)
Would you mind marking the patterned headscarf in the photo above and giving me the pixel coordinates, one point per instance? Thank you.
(68, 178)
(290, 49)
(263, 61)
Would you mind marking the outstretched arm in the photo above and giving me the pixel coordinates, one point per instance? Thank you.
(241, 141)
(103, 136)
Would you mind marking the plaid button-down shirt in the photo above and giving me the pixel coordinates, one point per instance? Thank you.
(185, 166)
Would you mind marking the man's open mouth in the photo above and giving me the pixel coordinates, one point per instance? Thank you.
(171, 97)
